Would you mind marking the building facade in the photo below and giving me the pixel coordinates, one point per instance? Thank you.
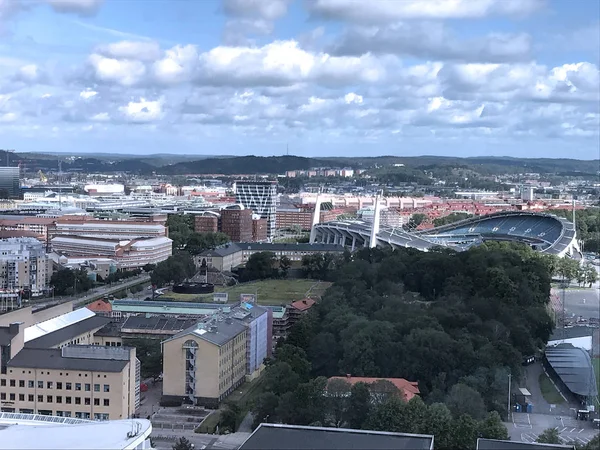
(237, 224)
(10, 184)
(260, 197)
(206, 224)
(205, 363)
(24, 265)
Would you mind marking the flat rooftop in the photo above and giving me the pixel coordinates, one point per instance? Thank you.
(290, 437)
(494, 444)
(34, 432)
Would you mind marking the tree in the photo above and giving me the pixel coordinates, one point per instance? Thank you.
(149, 353)
(590, 275)
(265, 408)
(567, 268)
(284, 266)
(360, 405)
(463, 434)
(493, 428)
(451, 218)
(280, 378)
(196, 243)
(183, 444)
(338, 400)
(148, 267)
(70, 281)
(174, 269)
(382, 390)
(260, 266)
(230, 417)
(463, 399)
(549, 436)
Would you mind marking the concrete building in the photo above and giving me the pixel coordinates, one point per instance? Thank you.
(33, 431)
(24, 265)
(205, 363)
(527, 193)
(49, 366)
(260, 197)
(223, 258)
(37, 225)
(85, 226)
(10, 184)
(129, 254)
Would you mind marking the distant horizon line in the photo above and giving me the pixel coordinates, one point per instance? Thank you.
(207, 156)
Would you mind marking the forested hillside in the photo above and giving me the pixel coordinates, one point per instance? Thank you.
(458, 323)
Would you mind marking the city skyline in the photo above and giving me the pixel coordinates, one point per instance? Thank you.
(325, 77)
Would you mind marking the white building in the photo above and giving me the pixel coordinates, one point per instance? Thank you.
(128, 253)
(527, 193)
(108, 229)
(24, 264)
(33, 431)
(261, 198)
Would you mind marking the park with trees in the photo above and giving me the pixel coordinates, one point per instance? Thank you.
(457, 322)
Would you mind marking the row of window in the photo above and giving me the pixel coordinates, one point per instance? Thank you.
(46, 412)
(59, 385)
(61, 374)
(59, 399)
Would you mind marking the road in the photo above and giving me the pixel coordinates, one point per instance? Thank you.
(93, 294)
(164, 440)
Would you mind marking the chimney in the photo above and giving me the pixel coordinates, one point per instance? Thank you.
(13, 328)
(348, 375)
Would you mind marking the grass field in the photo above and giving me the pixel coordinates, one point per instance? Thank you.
(270, 292)
(549, 392)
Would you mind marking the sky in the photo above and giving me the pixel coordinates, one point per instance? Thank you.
(308, 77)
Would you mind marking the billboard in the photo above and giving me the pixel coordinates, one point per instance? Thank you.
(248, 298)
(220, 297)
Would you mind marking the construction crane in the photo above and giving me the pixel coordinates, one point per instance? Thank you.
(43, 178)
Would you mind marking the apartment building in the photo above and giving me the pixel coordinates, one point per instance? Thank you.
(24, 265)
(237, 224)
(52, 375)
(205, 363)
(36, 225)
(206, 223)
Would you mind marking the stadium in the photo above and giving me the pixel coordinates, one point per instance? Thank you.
(545, 233)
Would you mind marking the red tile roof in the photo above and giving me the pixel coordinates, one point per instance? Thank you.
(100, 306)
(303, 305)
(409, 388)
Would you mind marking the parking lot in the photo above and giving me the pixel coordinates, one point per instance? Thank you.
(527, 428)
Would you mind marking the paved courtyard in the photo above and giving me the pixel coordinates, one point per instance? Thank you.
(527, 427)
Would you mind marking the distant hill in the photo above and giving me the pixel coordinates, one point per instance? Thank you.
(245, 165)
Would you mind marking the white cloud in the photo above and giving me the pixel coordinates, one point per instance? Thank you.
(87, 94)
(391, 11)
(8, 117)
(138, 50)
(177, 65)
(351, 97)
(123, 72)
(143, 110)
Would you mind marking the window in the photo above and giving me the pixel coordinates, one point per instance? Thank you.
(21, 397)
(2, 396)
(78, 415)
(12, 397)
(77, 386)
(40, 398)
(30, 384)
(58, 385)
(68, 400)
(21, 383)
(30, 398)
(78, 400)
(40, 385)
(106, 402)
(106, 388)
(86, 401)
(96, 402)
(3, 382)
(58, 399)
(49, 398)
(68, 386)
(49, 384)
(96, 388)
(12, 383)
(87, 387)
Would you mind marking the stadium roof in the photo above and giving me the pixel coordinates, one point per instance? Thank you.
(494, 444)
(30, 431)
(287, 437)
(574, 367)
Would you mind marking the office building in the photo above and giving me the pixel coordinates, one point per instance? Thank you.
(37, 226)
(237, 224)
(206, 223)
(527, 193)
(84, 226)
(259, 229)
(10, 184)
(261, 198)
(24, 266)
(205, 363)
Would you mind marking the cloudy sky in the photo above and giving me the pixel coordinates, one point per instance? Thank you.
(324, 77)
